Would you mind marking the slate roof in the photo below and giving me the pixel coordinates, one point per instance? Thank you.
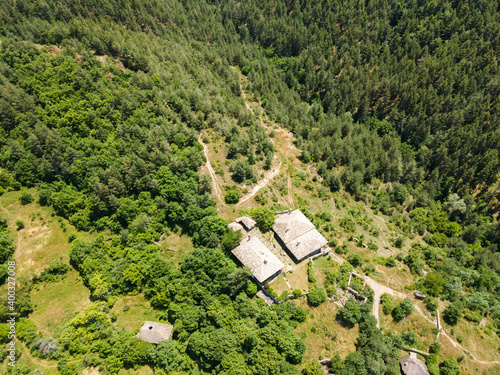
(154, 332)
(291, 225)
(298, 234)
(252, 253)
(413, 366)
(235, 226)
(247, 222)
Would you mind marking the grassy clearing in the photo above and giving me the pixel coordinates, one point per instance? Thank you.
(57, 302)
(43, 240)
(298, 278)
(25, 359)
(412, 323)
(323, 336)
(480, 341)
(279, 285)
(132, 312)
(175, 247)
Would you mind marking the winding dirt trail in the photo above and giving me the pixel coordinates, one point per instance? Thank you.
(215, 184)
(267, 178)
(380, 289)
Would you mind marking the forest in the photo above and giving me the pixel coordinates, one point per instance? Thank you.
(101, 107)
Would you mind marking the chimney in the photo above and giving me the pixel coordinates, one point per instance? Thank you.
(289, 211)
(249, 236)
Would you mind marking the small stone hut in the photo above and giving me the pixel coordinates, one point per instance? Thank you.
(411, 365)
(154, 332)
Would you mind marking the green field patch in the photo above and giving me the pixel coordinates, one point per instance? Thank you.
(131, 312)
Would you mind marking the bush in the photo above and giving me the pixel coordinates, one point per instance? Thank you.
(355, 260)
(387, 303)
(310, 272)
(399, 243)
(369, 269)
(331, 290)
(316, 297)
(297, 293)
(402, 310)
(431, 304)
(453, 313)
(232, 196)
(20, 224)
(350, 314)
(390, 262)
(344, 249)
(449, 367)
(7, 247)
(26, 198)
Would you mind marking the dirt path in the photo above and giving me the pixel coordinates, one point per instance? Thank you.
(380, 289)
(216, 188)
(268, 177)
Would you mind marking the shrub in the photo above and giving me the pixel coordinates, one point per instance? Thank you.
(342, 249)
(472, 316)
(26, 198)
(54, 272)
(331, 290)
(310, 273)
(232, 196)
(297, 293)
(400, 241)
(283, 296)
(350, 314)
(369, 269)
(387, 303)
(390, 262)
(316, 297)
(453, 313)
(20, 224)
(431, 304)
(355, 260)
(402, 310)
(449, 367)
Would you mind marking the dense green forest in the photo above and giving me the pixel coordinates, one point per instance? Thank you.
(101, 105)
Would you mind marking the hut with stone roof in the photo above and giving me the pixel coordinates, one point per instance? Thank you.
(411, 365)
(298, 234)
(154, 332)
(247, 222)
(252, 253)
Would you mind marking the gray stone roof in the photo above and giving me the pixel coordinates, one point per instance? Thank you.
(246, 221)
(298, 234)
(154, 332)
(289, 226)
(235, 226)
(411, 365)
(252, 253)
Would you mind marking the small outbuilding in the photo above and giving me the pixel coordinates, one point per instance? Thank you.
(411, 365)
(247, 222)
(298, 234)
(252, 253)
(154, 332)
(235, 226)
(419, 295)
